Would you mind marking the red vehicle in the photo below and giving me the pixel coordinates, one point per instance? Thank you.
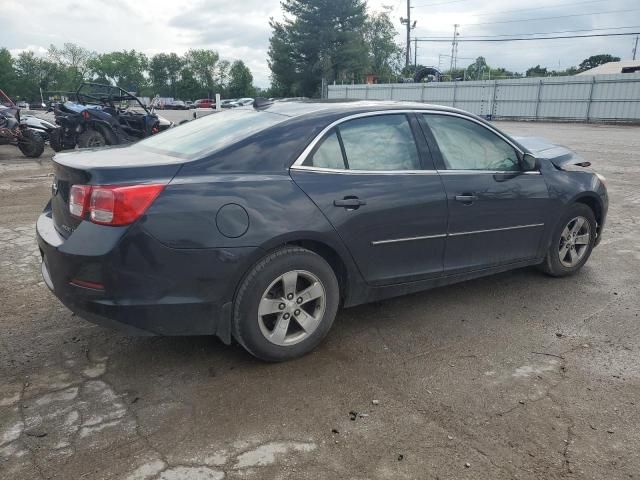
(205, 103)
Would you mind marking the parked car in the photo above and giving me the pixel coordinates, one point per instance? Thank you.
(177, 105)
(190, 104)
(228, 103)
(22, 105)
(205, 103)
(103, 115)
(191, 232)
(244, 101)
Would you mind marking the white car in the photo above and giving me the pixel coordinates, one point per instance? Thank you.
(244, 101)
(22, 105)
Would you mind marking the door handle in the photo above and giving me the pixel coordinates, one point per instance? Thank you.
(350, 203)
(467, 198)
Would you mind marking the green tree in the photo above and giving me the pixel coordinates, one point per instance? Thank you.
(164, 72)
(74, 64)
(597, 60)
(385, 55)
(125, 69)
(7, 74)
(240, 81)
(318, 39)
(537, 71)
(478, 69)
(203, 65)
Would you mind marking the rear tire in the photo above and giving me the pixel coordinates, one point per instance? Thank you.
(31, 144)
(91, 139)
(572, 242)
(286, 304)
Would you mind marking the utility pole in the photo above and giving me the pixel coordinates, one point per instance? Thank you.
(410, 26)
(415, 52)
(635, 48)
(454, 49)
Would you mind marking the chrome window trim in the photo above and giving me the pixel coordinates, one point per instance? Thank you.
(364, 172)
(492, 172)
(298, 163)
(455, 234)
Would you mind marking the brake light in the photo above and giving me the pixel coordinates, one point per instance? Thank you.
(79, 200)
(115, 205)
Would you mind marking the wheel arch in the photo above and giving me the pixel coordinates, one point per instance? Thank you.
(592, 201)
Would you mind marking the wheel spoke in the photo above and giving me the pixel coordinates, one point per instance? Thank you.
(577, 225)
(311, 293)
(582, 239)
(306, 321)
(279, 332)
(289, 281)
(566, 232)
(572, 256)
(563, 251)
(269, 305)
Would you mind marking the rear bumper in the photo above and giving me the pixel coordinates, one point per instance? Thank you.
(148, 288)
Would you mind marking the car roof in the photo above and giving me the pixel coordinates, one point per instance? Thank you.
(306, 107)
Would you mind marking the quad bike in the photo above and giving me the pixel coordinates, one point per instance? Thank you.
(14, 132)
(103, 115)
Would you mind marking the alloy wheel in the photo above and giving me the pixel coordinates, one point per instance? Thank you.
(574, 242)
(292, 307)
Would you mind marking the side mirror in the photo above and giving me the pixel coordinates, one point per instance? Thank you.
(529, 162)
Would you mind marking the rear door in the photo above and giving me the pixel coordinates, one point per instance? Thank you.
(497, 211)
(373, 178)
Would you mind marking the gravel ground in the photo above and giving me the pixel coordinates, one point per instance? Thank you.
(512, 376)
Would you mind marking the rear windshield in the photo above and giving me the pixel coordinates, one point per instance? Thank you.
(213, 132)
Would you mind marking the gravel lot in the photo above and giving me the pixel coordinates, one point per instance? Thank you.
(511, 376)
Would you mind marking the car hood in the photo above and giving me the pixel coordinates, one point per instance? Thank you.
(559, 155)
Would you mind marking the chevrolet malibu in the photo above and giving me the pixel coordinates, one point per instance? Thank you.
(257, 224)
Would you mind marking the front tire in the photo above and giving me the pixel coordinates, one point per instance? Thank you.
(31, 144)
(286, 304)
(572, 242)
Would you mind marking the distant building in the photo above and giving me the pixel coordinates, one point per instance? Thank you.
(627, 66)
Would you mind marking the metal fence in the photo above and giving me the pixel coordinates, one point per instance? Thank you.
(599, 98)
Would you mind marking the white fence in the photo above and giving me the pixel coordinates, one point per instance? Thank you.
(598, 98)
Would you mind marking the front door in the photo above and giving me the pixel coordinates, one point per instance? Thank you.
(367, 177)
(497, 211)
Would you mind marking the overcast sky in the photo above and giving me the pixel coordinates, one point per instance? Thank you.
(239, 29)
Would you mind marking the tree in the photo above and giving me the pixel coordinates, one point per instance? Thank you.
(597, 60)
(318, 39)
(125, 69)
(202, 63)
(478, 69)
(164, 71)
(537, 71)
(74, 59)
(7, 74)
(240, 81)
(385, 55)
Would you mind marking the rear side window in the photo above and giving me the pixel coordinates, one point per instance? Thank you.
(210, 133)
(380, 142)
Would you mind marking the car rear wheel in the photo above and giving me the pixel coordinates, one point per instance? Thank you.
(286, 304)
(572, 242)
(31, 144)
(91, 139)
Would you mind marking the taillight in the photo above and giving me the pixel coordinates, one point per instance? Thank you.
(79, 200)
(115, 205)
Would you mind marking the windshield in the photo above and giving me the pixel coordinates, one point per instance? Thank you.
(211, 133)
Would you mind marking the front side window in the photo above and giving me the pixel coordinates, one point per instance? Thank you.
(465, 145)
(379, 142)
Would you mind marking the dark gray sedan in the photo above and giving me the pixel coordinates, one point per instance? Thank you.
(257, 224)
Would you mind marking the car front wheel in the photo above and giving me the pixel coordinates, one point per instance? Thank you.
(286, 304)
(572, 242)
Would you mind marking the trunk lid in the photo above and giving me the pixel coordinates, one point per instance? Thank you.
(106, 166)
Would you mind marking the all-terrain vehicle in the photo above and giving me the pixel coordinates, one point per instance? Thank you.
(103, 115)
(15, 132)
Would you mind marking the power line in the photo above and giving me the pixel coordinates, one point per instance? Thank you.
(439, 3)
(527, 39)
(547, 33)
(553, 18)
(562, 5)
